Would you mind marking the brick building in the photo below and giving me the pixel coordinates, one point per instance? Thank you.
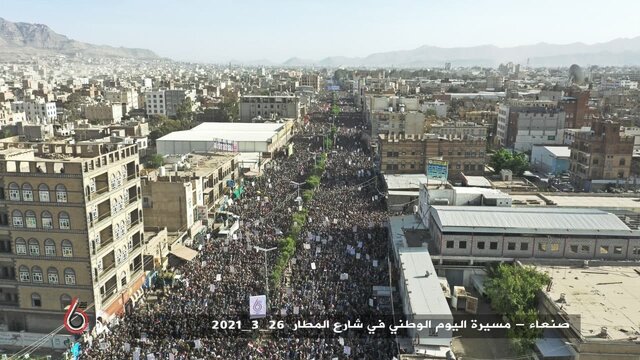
(409, 154)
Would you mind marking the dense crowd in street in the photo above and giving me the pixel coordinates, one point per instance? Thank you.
(341, 253)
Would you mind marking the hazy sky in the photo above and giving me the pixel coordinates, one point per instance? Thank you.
(219, 31)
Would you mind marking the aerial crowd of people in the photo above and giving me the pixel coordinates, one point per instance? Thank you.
(341, 254)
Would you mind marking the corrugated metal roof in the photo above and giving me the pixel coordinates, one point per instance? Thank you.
(536, 220)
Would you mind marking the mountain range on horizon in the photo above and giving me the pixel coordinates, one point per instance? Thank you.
(19, 39)
(26, 39)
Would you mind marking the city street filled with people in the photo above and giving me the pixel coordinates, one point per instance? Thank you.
(341, 253)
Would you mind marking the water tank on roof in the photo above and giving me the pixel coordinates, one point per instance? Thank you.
(390, 108)
(162, 171)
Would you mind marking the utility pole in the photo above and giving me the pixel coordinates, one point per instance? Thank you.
(298, 185)
(266, 274)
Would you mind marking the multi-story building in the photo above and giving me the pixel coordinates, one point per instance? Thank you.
(177, 199)
(36, 111)
(576, 108)
(269, 107)
(164, 102)
(402, 123)
(522, 124)
(312, 80)
(70, 226)
(103, 113)
(600, 154)
(410, 154)
(127, 97)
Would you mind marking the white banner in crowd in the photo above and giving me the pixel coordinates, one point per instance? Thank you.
(257, 306)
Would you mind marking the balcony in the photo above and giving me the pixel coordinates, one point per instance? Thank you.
(133, 223)
(102, 246)
(100, 219)
(9, 303)
(105, 271)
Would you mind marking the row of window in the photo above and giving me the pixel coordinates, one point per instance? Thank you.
(450, 153)
(36, 276)
(543, 247)
(458, 166)
(36, 300)
(50, 248)
(16, 193)
(46, 220)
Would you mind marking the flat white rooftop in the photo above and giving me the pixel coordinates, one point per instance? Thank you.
(225, 131)
(603, 296)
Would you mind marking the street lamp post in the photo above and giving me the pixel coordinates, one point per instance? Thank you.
(298, 185)
(266, 274)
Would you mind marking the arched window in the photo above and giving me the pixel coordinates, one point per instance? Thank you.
(63, 221)
(21, 246)
(36, 274)
(67, 248)
(25, 275)
(30, 219)
(36, 300)
(27, 192)
(34, 247)
(52, 275)
(43, 193)
(49, 247)
(16, 217)
(69, 276)
(65, 300)
(123, 278)
(14, 192)
(61, 193)
(47, 220)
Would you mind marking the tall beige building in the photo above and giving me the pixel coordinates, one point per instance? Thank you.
(70, 226)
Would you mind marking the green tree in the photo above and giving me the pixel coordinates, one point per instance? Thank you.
(155, 161)
(430, 112)
(183, 111)
(512, 290)
(503, 159)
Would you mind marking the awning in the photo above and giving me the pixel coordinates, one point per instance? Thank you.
(183, 252)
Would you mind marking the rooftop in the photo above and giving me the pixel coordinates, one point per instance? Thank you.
(559, 151)
(404, 181)
(545, 220)
(603, 296)
(581, 201)
(226, 131)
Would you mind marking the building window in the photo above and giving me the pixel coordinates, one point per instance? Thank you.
(52, 275)
(30, 219)
(449, 244)
(14, 192)
(34, 247)
(69, 276)
(27, 192)
(36, 300)
(462, 244)
(622, 162)
(16, 217)
(511, 246)
(555, 247)
(574, 249)
(63, 221)
(43, 193)
(49, 247)
(480, 245)
(21, 246)
(67, 248)
(61, 193)
(47, 220)
(36, 274)
(617, 250)
(524, 246)
(65, 301)
(493, 245)
(604, 249)
(123, 280)
(25, 275)
(585, 248)
(542, 247)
